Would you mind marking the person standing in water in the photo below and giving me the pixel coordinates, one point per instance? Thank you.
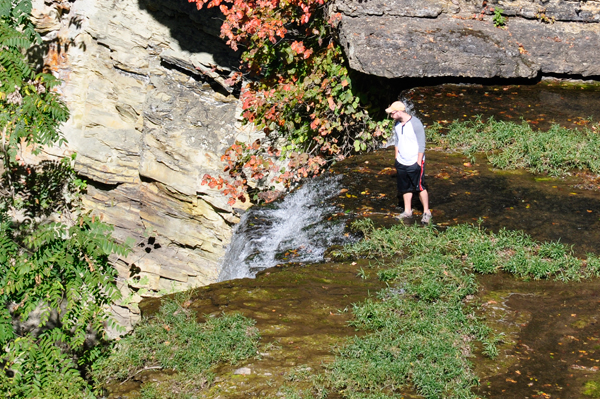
(409, 141)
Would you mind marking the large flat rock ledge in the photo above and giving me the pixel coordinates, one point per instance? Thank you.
(430, 38)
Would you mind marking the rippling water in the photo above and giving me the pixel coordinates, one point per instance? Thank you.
(294, 229)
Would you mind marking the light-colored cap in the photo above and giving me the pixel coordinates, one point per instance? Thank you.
(396, 106)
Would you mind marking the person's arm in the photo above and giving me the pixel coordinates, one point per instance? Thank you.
(420, 134)
(394, 135)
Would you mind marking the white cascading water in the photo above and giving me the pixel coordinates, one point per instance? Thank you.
(296, 225)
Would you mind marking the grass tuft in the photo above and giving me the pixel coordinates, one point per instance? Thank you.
(510, 145)
(174, 340)
(421, 329)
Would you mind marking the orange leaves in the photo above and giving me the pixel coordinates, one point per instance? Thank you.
(271, 114)
(298, 47)
(302, 96)
(335, 18)
(315, 123)
(260, 19)
(331, 103)
(257, 163)
(233, 79)
(235, 190)
(213, 182)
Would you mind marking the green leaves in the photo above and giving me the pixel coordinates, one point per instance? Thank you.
(498, 18)
(60, 272)
(302, 94)
(37, 368)
(30, 111)
(54, 267)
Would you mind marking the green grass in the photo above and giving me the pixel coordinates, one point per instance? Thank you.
(173, 340)
(510, 145)
(419, 333)
(420, 330)
(592, 389)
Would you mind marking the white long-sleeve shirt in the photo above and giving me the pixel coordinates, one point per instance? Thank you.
(409, 139)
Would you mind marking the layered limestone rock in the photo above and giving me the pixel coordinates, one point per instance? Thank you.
(458, 38)
(150, 116)
(151, 113)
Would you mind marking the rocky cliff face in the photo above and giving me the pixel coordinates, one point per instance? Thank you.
(148, 120)
(150, 114)
(458, 38)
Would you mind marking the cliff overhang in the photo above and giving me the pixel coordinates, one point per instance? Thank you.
(460, 38)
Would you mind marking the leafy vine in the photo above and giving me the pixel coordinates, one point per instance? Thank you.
(298, 90)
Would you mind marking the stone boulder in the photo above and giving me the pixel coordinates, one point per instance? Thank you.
(458, 38)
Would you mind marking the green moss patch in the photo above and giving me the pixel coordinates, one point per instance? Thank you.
(510, 145)
(421, 330)
(173, 340)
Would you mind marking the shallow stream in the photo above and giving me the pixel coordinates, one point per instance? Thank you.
(552, 344)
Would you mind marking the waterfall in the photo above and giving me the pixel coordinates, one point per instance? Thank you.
(294, 229)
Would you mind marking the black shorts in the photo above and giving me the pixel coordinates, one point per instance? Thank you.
(410, 178)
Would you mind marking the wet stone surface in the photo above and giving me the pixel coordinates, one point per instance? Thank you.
(569, 104)
(558, 347)
(301, 313)
(548, 209)
(551, 343)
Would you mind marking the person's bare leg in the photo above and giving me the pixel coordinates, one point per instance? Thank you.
(424, 197)
(407, 202)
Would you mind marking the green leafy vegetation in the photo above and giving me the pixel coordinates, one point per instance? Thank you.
(56, 281)
(422, 329)
(30, 111)
(174, 340)
(498, 18)
(592, 389)
(299, 91)
(510, 145)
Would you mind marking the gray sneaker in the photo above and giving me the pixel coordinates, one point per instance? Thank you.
(426, 218)
(404, 215)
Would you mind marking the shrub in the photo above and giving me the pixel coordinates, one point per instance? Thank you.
(55, 277)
